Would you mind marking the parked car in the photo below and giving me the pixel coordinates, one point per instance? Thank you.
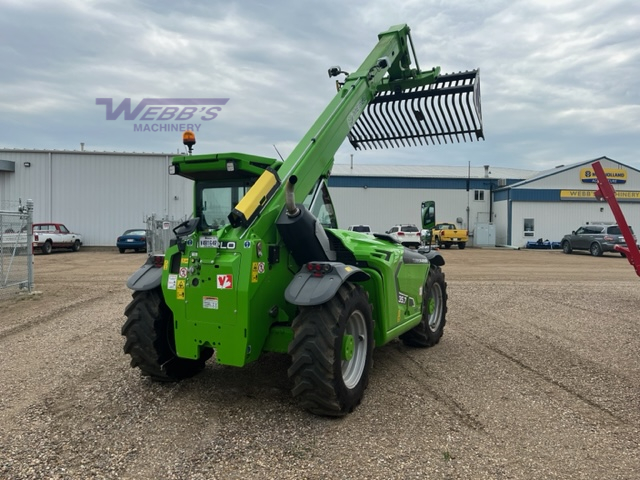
(407, 234)
(47, 236)
(595, 238)
(361, 228)
(133, 239)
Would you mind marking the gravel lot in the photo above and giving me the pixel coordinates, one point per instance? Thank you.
(537, 377)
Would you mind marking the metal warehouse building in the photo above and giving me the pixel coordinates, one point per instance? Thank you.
(100, 194)
(554, 202)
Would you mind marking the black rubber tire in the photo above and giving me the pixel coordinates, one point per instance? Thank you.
(566, 247)
(595, 249)
(47, 248)
(434, 312)
(462, 245)
(150, 339)
(76, 246)
(323, 382)
(447, 245)
(623, 255)
(121, 250)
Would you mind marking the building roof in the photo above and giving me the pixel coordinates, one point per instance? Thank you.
(430, 171)
(85, 152)
(563, 168)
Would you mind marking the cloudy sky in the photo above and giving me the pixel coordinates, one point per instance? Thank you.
(559, 79)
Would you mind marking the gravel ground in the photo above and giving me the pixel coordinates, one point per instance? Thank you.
(537, 377)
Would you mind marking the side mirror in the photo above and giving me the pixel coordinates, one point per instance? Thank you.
(187, 227)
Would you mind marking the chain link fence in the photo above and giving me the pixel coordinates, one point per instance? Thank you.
(16, 254)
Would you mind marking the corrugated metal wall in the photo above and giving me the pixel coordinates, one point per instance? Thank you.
(381, 208)
(553, 220)
(97, 195)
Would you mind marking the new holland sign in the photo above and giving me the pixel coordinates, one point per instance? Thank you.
(615, 175)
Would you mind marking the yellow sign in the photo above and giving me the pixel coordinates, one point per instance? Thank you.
(180, 289)
(614, 175)
(254, 277)
(165, 264)
(590, 195)
(184, 260)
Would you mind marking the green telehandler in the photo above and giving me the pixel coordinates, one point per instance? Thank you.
(262, 266)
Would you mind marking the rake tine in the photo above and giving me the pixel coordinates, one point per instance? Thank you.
(419, 127)
(398, 125)
(436, 134)
(366, 124)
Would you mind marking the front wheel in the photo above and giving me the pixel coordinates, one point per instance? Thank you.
(76, 246)
(434, 312)
(332, 351)
(566, 247)
(150, 339)
(595, 249)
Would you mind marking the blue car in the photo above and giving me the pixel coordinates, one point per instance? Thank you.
(134, 239)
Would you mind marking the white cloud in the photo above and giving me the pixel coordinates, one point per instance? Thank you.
(558, 78)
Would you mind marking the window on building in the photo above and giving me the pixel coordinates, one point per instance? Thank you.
(478, 195)
(529, 230)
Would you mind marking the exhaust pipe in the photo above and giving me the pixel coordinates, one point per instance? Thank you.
(289, 198)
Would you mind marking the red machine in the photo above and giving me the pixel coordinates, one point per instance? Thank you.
(605, 190)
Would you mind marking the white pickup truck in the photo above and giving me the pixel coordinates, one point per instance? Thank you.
(47, 236)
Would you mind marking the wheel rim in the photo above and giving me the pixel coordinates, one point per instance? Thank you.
(352, 369)
(434, 307)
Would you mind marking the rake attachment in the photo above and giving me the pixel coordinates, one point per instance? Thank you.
(445, 110)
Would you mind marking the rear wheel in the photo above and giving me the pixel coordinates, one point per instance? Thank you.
(332, 352)
(121, 250)
(447, 245)
(461, 245)
(434, 312)
(150, 339)
(595, 249)
(47, 248)
(566, 247)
